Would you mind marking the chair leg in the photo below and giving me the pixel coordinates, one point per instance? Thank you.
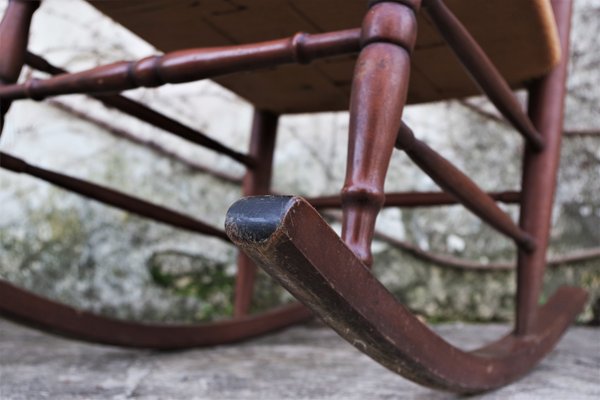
(14, 35)
(257, 181)
(546, 107)
(378, 96)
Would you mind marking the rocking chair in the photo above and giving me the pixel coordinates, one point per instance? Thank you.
(406, 52)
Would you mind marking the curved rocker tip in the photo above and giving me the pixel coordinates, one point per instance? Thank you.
(255, 219)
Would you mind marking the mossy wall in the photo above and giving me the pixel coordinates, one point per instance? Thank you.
(98, 258)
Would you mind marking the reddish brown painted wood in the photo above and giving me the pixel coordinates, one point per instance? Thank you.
(446, 260)
(257, 181)
(14, 35)
(319, 87)
(48, 315)
(546, 108)
(289, 240)
(453, 181)
(482, 70)
(39, 63)
(148, 115)
(112, 197)
(189, 65)
(379, 92)
(415, 199)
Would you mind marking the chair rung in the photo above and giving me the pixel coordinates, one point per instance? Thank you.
(112, 197)
(146, 114)
(189, 65)
(415, 199)
(455, 182)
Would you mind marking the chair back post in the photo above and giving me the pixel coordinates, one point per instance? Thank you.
(546, 109)
(14, 36)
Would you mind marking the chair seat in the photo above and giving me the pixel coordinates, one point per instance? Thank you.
(519, 36)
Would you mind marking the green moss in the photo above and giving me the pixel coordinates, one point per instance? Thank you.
(446, 294)
(192, 275)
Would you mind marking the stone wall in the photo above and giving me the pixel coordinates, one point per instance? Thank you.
(95, 257)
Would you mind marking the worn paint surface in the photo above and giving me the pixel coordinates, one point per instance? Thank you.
(48, 236)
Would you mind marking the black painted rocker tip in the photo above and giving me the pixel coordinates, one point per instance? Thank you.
(255, 219)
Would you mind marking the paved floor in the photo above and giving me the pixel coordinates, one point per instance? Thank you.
(306, 362)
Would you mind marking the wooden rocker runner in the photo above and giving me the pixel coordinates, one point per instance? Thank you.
(407, 51)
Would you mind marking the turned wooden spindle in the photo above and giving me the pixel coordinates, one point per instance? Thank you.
(144, 113)
(14, 35)
(189, 65)
(379, 92)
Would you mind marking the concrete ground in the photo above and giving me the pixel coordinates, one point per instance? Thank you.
(305, 362)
